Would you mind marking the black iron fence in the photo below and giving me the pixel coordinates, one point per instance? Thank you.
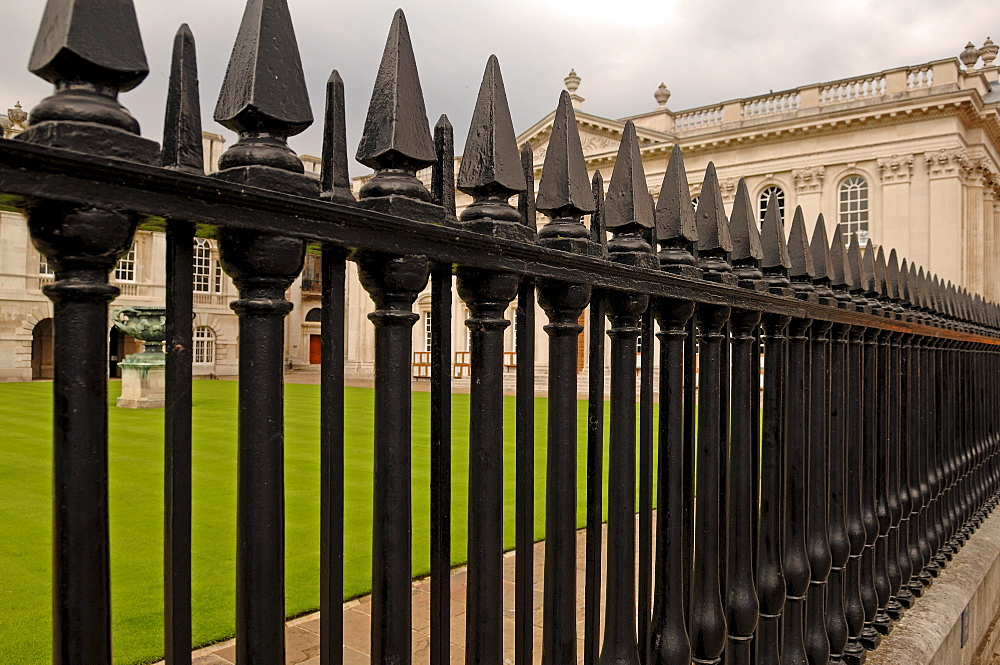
(821, 513)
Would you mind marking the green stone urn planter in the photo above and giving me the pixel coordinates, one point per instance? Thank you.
(143, 374)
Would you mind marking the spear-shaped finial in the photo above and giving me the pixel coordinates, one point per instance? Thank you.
(802, 269)
(396, 141)
(881, 274)
(869, 277)
(842, 278)
(182, 146)
(491, 168)
(264, 97)
(526, 200)
(926, 292)
(819, 247)
(564, 191)
(714, 240)
(747, 252)
(676, 231)
(264, 100)
(775, 263)
(90, 50)
(628, 209)
(921, 288)
(892, 276)
(96, 41)
(913, 287)
(335, 182)
(598, 230)
(443, 171)
(904, 283)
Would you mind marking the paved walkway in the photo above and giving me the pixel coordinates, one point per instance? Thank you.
(302, 634)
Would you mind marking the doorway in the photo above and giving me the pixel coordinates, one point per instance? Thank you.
(41, 350)
(315, 349)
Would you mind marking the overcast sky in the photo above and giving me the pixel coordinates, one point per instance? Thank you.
(705, 51)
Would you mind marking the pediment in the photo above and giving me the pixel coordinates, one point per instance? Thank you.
(597, 135)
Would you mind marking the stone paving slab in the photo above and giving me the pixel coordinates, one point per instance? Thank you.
(302, 634)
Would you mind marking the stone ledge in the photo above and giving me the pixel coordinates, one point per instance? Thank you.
(931, 632)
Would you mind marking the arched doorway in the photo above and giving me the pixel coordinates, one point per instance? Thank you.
(120, 344)
(41, 350)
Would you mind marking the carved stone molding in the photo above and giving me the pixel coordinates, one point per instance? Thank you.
(898, 168)
(809, 179)
(947, 163)
(728, 188)
(598, 144)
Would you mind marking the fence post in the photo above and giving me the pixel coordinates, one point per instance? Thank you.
(742, 606)
(628, 213)
(396, 143)
(675, 233)
(564, 194)
(706, 612)
(263, 95)
(770, 532)
(491, 173)
(795, 556)
(82, 244)
(818, 646)
(844, 614)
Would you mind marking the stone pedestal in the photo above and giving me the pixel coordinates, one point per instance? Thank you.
(143, 380)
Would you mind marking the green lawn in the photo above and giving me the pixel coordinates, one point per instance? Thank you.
(136, 504)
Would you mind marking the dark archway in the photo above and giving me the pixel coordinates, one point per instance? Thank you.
(41, 350)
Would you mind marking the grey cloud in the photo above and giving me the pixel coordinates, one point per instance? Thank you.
(705, 52)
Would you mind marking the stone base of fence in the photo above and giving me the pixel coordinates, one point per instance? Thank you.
(955, 622)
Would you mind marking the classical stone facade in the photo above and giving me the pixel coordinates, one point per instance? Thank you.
(909, 156)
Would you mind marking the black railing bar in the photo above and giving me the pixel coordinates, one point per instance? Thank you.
(160, 194)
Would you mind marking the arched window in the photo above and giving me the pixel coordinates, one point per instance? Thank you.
(853, 198)
(763, 198)
(315, 315)
(204, 345)
(202, 265)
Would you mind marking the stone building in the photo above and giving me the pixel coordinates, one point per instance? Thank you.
(908, 156)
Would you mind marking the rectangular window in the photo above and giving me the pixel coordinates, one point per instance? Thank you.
(43, 265)
(428, 334)
(125, 270)
(218, 277)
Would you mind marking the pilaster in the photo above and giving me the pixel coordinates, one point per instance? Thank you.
(895, 174)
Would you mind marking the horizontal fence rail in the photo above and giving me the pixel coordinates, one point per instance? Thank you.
(796, 520)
